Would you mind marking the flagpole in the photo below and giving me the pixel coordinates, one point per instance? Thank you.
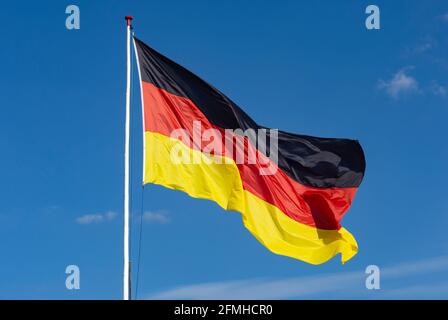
(126, 262)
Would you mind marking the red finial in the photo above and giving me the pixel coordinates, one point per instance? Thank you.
(128, 20)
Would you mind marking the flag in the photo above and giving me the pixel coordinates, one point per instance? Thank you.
(292, 190)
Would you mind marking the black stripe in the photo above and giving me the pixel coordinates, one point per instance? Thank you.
(312, 161)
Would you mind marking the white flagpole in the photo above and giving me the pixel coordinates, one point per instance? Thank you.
(126, 262)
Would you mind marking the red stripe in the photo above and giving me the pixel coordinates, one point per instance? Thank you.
(319, 207)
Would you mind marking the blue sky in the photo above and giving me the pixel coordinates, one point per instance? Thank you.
(310, 68)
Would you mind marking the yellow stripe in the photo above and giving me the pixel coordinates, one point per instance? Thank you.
(221, 182)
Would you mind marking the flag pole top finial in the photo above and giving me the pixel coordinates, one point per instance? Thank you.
(128, 20)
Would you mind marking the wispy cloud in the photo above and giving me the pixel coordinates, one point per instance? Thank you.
(156, 217)
(400, 84)
(96, 217)
(439, 90)
(264, 288)
(423, 46)
(303, 287)
(160, 217)
(422, 291)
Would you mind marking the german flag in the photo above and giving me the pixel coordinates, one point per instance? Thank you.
(292, 202)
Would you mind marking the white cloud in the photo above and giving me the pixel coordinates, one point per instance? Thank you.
(156, 217)
(148, 216)
(96, 217)
(439, 90)
(424, 45)
(400, 84)
(265, 288)
(110, 215)
(303, 287)
(421, 291)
